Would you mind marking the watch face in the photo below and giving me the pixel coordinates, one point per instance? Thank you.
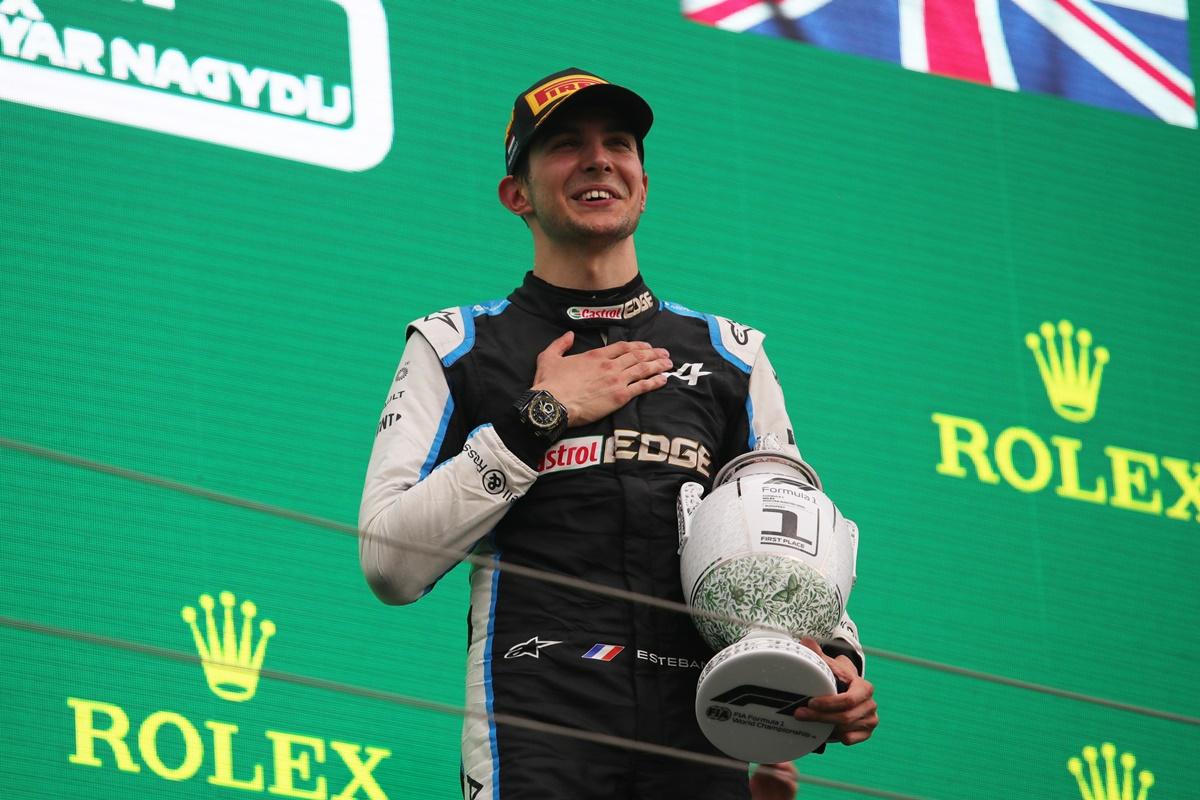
(544, 412)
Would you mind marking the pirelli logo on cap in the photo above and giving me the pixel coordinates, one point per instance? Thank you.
(555, 90)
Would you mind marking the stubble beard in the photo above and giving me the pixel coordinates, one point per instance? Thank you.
(563, 227)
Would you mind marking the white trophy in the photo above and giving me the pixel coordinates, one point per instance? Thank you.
(765, 546)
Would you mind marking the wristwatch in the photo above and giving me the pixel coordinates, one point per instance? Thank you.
(541, 413)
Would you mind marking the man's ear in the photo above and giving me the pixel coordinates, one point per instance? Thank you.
(513, 196)
(645, 190)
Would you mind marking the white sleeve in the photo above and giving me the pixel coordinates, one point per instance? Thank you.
(768, 416)
(412, 507)
(768, 411)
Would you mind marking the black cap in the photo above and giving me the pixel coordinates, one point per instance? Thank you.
(535, 105)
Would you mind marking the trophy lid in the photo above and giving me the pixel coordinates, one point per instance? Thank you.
(768, 456)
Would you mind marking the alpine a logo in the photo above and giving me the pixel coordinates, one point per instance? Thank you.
(627, 310)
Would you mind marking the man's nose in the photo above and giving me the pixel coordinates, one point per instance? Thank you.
(597, 157)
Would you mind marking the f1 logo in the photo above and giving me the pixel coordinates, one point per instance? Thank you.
(784, 703)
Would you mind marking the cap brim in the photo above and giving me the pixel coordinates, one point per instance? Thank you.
(629, 103)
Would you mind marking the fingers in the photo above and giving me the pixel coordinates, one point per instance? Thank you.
(858, 730)
(774, 782)
(620, 348)
(834, 707)
(646, 385)
(856, 737)
(841, 666)
(853, 712)
(784, 771)
(595, 383)
(647, 369)
(627, 358)
(560, 345)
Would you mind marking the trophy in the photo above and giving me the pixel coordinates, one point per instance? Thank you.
(767, 548)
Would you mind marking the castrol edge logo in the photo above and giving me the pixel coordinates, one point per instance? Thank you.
(626, 310)
(582, 451)
(588, 451)
(151, 64)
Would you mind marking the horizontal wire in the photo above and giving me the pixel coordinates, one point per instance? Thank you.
(562, 580)
(431, 705)
(1016, 683)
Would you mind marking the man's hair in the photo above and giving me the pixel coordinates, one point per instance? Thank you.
(521, 168)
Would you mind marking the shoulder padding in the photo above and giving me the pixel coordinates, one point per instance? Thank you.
(445, 330)
(740, 341)
(737, 343)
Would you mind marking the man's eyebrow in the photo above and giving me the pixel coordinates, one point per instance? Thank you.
(572, 128)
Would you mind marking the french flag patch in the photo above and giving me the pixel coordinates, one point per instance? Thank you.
(603, 652)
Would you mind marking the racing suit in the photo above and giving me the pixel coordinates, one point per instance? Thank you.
(452, 466)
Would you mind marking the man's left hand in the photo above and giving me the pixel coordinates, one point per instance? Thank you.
(853, 711)
(774, 782)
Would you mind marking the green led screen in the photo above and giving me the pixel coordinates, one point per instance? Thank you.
(218, 218)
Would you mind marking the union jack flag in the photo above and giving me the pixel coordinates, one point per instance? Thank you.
(1127, 55)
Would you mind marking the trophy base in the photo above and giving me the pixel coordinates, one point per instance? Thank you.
(747, 694)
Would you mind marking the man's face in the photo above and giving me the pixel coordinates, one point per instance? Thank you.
(585, 179)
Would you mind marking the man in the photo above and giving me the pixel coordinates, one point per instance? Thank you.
(553, 430)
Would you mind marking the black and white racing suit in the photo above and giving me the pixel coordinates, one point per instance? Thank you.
(452, 467)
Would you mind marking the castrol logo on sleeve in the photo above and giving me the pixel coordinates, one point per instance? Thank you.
(577, 453)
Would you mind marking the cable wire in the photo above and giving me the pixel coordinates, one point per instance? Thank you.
(432, 705)
(563, 580)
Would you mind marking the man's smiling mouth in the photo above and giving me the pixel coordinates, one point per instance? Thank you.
(592, 195)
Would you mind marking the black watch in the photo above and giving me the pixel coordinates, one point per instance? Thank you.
(541, 413)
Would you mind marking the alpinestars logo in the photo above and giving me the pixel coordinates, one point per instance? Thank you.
(172, 83)
(1071, 368)
(1103, 782)
(231, 657)
(532, 647)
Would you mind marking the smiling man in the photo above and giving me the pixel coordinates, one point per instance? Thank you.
(552, 430)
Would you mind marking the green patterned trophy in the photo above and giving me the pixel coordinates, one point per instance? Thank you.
(771, 557)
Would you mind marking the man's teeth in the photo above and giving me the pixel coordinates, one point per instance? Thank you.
(597, 194)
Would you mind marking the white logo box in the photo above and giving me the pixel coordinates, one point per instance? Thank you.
(359, 147)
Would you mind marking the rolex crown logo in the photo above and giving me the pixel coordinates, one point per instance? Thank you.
(231, 665)
(1071, 374)
(1109, 786)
